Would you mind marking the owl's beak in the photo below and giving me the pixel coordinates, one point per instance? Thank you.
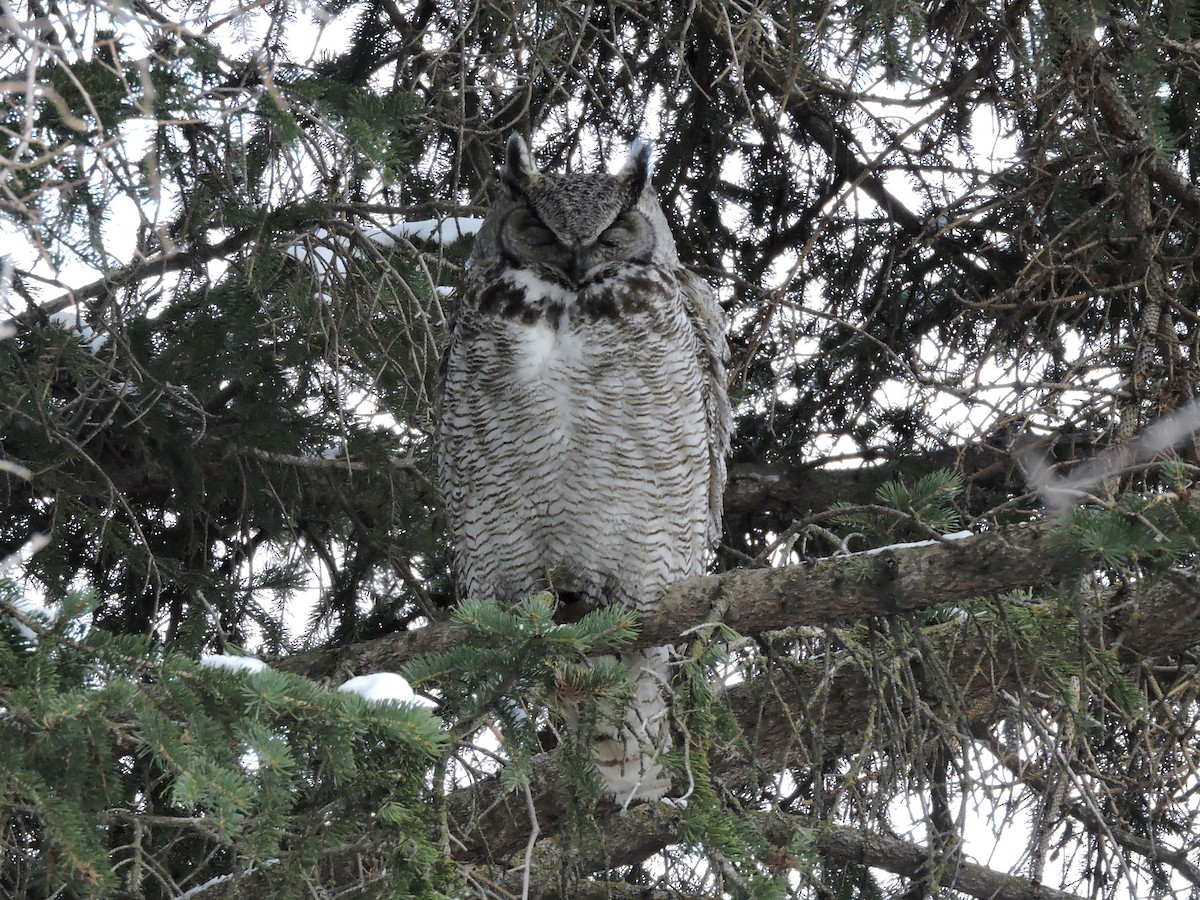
(579, 267)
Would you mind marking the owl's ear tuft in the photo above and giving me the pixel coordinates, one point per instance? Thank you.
(636, 171)
(518, 172)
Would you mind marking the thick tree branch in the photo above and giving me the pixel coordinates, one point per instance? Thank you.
(490, 822)
(785, 491)
(648, 828)
(830, 591)
(902, 858)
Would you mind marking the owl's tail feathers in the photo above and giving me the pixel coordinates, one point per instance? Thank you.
(625, 756)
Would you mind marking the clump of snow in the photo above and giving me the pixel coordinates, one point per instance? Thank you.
(324, 257)
(909, 545)
(323, 251)
(33, 545)
(71, 320)
(16, 470)
(439, 231)
(232, 663)
(383, 687)
(201, 889)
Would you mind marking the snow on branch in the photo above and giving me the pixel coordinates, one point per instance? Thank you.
(323, 252)
(435, 231)
(230, 663)
(71, 320)
(384, 687)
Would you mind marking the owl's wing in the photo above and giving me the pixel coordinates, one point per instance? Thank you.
(447, 425)
(708, 322)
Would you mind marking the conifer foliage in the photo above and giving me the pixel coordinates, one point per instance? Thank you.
(957, 245)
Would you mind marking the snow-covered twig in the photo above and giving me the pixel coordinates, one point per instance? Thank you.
(383, 687)
(231, 663)
(71, 320)
(321, 250)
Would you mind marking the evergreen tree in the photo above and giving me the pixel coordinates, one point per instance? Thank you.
(957, 244)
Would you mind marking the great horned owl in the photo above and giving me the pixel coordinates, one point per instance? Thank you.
(583, 418)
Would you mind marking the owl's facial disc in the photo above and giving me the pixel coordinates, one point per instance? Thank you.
(573, 256)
